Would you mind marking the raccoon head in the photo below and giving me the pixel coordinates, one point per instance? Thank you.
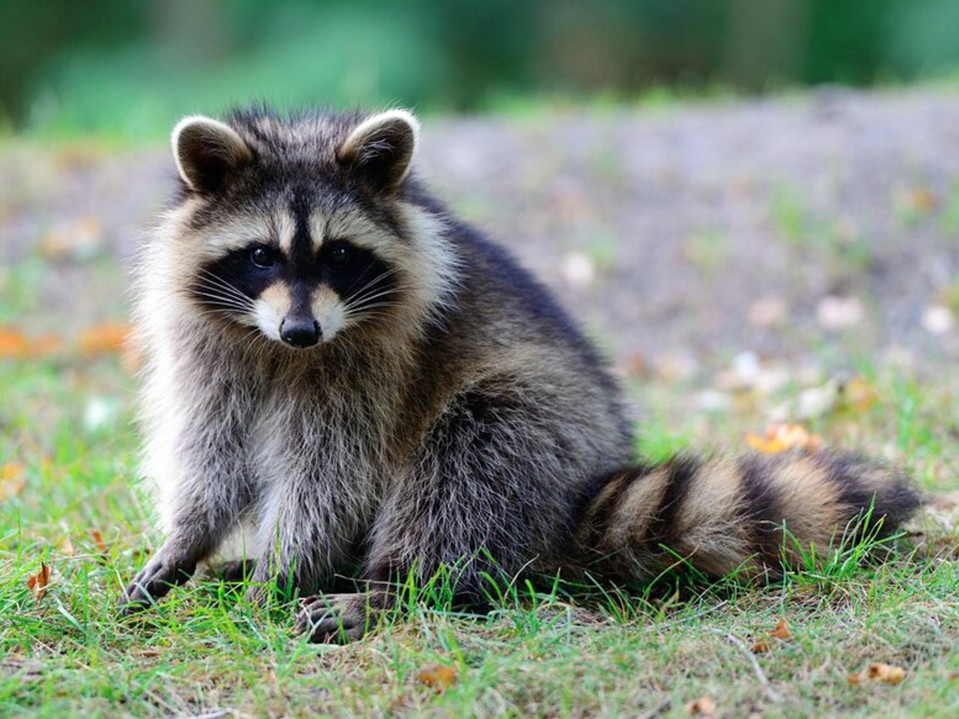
(304, 228)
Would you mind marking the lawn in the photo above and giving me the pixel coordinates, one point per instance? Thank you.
(545, 651)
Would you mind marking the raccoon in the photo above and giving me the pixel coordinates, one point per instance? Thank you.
(342, 378)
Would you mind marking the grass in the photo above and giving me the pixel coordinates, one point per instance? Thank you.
(552, 651)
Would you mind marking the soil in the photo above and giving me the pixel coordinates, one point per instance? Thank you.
(821, 227)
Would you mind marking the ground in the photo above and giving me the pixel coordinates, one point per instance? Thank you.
(740, 263)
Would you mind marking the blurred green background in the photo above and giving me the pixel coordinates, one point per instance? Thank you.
(127, 66)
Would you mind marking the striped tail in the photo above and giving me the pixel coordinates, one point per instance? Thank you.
(755, 514)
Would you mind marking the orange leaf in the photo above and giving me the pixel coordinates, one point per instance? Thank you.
(781, 631)
(878, 672)
(106, 338)
(766, 445)
(438, 677)
(888, 673)
(760, 647)
(98, 538)
(783, 437)
(38, 582)
(13, 479)
(13, 343)
(704, 706)
(922, 199)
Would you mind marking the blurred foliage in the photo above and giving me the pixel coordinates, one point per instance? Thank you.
(128, 66)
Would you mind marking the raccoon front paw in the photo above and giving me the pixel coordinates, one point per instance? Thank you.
(161, 574)
(338, 618)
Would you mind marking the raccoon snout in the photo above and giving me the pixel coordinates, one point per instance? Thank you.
(300, 331)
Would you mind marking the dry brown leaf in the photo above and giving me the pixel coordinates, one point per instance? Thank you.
(703, 707)
(887, 673)
(781, 631)
(98, 539)
(859, 394)
(922, 199)
(439, 678)
(878, 672)
(13, 478)
(38, 582)
(761, 646)
(105, 338)
(783, 437)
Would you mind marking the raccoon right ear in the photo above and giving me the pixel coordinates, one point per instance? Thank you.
(381, 147)
(207, 151)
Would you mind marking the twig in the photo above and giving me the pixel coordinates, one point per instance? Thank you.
(771, 693)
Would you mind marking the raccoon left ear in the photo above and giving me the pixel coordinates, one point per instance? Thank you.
(207, 151)
(382, 147)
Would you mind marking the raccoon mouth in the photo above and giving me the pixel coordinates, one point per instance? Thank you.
(300, 333)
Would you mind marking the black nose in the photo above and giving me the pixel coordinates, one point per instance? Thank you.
(300, 331)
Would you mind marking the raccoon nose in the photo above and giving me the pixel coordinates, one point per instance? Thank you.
(300, 331)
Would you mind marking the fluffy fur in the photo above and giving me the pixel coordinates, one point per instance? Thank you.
(343, 378)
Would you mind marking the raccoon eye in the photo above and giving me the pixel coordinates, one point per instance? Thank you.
(339, 253)
(262, 257)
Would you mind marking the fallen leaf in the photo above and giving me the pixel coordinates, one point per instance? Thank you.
(105, 338)
(13, 478)
(784, 437)
(79, 239)
(888, 673)
(98, 539)
(922, 199)
(16, 345)
(878, 672)
(781, 631)
(439, 678)
(13, 343)
(704, 706)
(859, 394)
(761, 646)
(38, 582)
(765, 444)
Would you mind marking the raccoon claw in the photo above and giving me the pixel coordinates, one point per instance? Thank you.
(335, 618)
(153, 582)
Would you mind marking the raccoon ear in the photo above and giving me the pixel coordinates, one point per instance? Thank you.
(207, 151)
(381, 147)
